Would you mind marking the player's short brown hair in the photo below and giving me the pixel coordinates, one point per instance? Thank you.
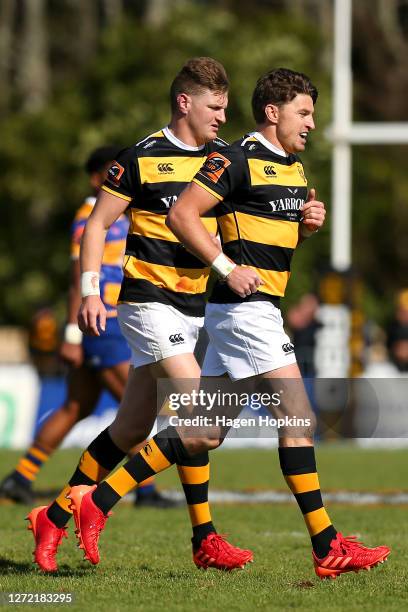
(279, 87)
(197, 74)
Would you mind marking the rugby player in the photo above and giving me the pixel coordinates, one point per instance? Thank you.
(161, 304)
(259, 191)
(94, 364)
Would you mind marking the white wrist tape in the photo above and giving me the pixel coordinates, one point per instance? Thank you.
(305, 232)
(89, 283)
(222, 265)
(72, 334)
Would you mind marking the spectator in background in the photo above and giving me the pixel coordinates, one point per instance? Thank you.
(301, 319)
(397, 337)
(303, 325)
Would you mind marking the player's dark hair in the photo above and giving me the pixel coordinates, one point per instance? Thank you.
(197, 74)
(98, 159)
(279, 87)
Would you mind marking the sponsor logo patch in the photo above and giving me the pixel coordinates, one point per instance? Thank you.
(168, 201)
(115, 173)
(214, 166)
(288, 348)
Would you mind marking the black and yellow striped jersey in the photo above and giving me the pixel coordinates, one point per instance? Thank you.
(150, 176)
(262, 191)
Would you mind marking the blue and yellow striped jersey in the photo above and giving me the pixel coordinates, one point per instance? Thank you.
(111, 273)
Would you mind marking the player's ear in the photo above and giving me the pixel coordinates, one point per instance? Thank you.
(272, 113)
(183, 103)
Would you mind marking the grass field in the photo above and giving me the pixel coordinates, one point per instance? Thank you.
(146, 561)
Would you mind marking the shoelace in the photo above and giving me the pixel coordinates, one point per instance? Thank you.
(218, 541)
(350, 544)
(227, 550)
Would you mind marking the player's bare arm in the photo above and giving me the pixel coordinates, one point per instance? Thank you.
(107, 209)
(184, 220)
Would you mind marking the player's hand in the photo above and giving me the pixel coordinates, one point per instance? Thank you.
(243, 281)
(313, 213)
(91, 313)
(72, 354)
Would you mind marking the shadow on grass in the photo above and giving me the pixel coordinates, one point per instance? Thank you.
(40, 495)
(10, 567)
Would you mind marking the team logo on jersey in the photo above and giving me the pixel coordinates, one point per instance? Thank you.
(147, 449)
(115, 173)
(214, 166)
(270, 170)
(301, 172)
(165, 168)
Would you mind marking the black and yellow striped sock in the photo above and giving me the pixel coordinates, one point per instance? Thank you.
(298, 465)
(194, 476)
(99, 459)
(162, 451)
(30, 464)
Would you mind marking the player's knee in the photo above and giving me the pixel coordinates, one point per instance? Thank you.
(213, 443)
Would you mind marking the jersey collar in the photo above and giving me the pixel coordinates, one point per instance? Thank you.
(269, 145)
(179, 143)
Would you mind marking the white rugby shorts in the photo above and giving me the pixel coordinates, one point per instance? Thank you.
(155, 331)
(246, 339)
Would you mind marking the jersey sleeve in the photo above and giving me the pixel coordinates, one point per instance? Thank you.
(123, 176)
(222, 172)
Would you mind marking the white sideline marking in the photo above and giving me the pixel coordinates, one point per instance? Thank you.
(355, 498)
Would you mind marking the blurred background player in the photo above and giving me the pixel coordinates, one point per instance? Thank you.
(397, 333)
(303, 324)
(95, 363)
